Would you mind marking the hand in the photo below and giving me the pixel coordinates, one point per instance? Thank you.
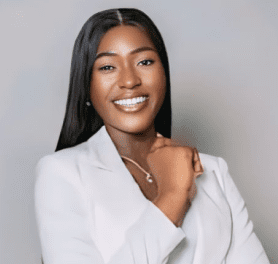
(175, 169)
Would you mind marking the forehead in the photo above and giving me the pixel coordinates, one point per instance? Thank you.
(124, 39)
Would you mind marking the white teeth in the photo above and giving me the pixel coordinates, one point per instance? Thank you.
(131, 102)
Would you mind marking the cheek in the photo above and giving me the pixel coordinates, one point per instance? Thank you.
(156, 76)
(156, 81)
(159, 82)
(97, 100)
(98, 90)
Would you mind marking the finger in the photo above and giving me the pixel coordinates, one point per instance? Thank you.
(160, 142)
(168, 141)
(171, 142)
(198, 168)
(193, 191)
(197, 174)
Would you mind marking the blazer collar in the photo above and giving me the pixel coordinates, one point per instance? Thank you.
(105, 154)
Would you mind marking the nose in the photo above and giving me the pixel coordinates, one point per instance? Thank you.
(128, 78)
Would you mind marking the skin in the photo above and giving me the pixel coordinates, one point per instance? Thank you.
(128, 65)
(123, 75)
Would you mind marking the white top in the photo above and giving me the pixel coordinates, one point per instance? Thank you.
(90, 210)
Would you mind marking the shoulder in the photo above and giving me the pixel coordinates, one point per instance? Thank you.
(216, 165)
(61, 166)
(63, 157)
(59, 189)
(211, 163)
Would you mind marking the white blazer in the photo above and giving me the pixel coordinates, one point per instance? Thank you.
(90, 210)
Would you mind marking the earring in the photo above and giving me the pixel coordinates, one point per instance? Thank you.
(88, 103)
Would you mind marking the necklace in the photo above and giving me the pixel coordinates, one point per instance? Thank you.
(148, 175)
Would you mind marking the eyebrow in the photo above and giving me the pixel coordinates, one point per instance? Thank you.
(141, 49)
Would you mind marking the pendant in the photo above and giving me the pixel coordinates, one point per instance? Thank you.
(149, 178)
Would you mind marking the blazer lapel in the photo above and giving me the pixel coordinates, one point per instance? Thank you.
(213, 219)
(104, 155)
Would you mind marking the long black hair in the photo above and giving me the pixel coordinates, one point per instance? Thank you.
(82, 121)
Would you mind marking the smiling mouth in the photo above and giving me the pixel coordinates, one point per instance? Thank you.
(131, 102)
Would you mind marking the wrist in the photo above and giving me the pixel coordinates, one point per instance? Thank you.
(177, 195)
(173, 206)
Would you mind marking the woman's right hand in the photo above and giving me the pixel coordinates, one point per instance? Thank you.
(175, 169)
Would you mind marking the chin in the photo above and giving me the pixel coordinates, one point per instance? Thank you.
(137, 130)
(135, 127)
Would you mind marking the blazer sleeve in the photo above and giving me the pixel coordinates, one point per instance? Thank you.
(64, 223)
(245, 246)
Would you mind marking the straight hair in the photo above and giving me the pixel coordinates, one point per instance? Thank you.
(82, 121)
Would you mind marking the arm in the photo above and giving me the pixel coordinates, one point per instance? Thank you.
(245, 247)
(65, 225)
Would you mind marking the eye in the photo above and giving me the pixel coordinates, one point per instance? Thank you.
(146, 62)
(106, 68)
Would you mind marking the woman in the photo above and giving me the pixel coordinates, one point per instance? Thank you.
(116, 190)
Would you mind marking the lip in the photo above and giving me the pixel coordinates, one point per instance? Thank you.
(132, 109)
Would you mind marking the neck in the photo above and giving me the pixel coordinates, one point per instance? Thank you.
(133, 146)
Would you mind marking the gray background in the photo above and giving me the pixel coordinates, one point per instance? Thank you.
(224, 69)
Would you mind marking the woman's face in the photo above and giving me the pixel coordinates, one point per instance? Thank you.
(128, 81)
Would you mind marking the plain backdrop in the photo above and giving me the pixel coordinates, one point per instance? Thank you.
(224, 71)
